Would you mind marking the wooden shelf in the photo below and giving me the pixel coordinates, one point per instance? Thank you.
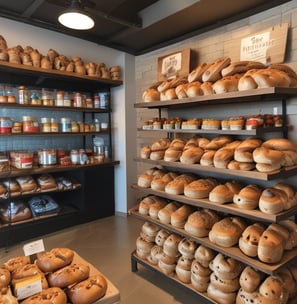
(284, 172)
(234, 252)
(53, 133)
(229, 208)
(267, 94)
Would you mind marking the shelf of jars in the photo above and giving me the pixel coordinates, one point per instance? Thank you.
(234, 252)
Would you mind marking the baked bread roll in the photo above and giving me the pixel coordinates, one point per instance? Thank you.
(149, 231)
(183, 269)
(179, 217)
(270, 247)
(155, 254)
(170, 246)
(172, 154)
(281, 144)
(244, 151)
(226, 232)
(225, 267)
(16, 263)
(196, 74)
(250, 279)
(241, 67)
(236, 165)
(157, 155)
(193, 89)
(187, 248)
(159, 182)
(177, 186)
(200, 188)
(224, 193)
(207, 88)
(143, 247)
(157, 206)
(291, 194)
(287, 69)
(227, 84)
(164, 214)
(69, 275)
(180, 91)
(54, 295)
(54, 259)
(161, 236)
(204, 255)
(268, 156)
(145, 203)
(266, 78)
(191, 155)
(161, 144)
(248, 197)
(5, 278)
(218, 142)
(199, 223)
(88, 291)
(224, 285)
(167, 264)
(268, 167)
(222, 157)
(207, 158)
(150, 95)
(220, 296)
(272, 200)
(249, 240)
(213, 72)
(291, 226)
(274, 290)
(200, 276)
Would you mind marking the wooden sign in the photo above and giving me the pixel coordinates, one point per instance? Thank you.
(268, 46)
(174, 65)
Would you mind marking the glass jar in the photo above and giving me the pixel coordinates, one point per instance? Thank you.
(45, 124)
(23, 95)
(65, 124)
(47, 97)
(74, 156)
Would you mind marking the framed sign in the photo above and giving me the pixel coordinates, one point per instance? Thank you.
(174, 65)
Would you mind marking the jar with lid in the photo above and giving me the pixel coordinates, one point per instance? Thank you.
(54, 125)
(35, 97)
(67, 99)
(74, 156)
(59, 99)
(74, 126)
(30, 124)
(3, 96)
(45, 124)
(23, 95)
(77, 100)
(97, 125)
(65, 124)
(5, 125)
(47, 97)
(10, 93)
(104, 100)
(83, 158)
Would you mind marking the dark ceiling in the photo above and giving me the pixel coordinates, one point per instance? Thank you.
(137, 26)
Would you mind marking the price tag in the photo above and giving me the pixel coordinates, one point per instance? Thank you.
(33, 248)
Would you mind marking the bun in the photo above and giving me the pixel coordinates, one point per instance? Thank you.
(176, 186)
(250, 279)
(200, 188)
(161, 144)
(222, 157)
(183, 269)
(207, 158)
(191, 155)
(200, 276)
(179, 217)
(274, 289)
(196, 74)
(222, 194)
(268, 167)
(145, 152)
(218, 142)
(199, 223)
(236, 165)
(226, 84)
(281, 144)
(156, 206)
(15, 263)
(268, 156)
(204, 255)
(5, 278)
(248, 242)
(213, 72)
(88, 291)
(54, 295)
(241, 67)
(150, 95)
(159, 182)
(248, 197)
(224, 285)
(164, 214)
(244, 151)
(187, 248)
(54, 259)
(161, 236)
(143, 247)
(207, 88)
(227, 231)
(220, 296)
(193, 89)
(69, 275)
(149, 231)
(272, 200)
(170, 246)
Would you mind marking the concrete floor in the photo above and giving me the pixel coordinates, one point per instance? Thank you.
(107, 244)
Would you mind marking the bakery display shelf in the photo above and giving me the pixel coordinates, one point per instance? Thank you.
(253, 132)
(284, 172)
(52, 108)
(135, 260)
(233, 252)
(229, 208)
(54, 133)
(56, 168)
(23, 74)
(255, 95)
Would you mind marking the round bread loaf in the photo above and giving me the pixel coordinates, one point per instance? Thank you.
(193, 89)
(167, 264)
(247, 82)
(227, 84)
(145, 204)
(164, 214)
(143, 247)
(272, 200)
(250, 279)
(199, 223)
(170, 246)
(183, 269)
(196, 74)
(220, 296)
(157, 206)
(270, 247)
(244, 297)
(161, 236)
(207, 158)
(191, 155)
(149, 231)
(218, 142)
(69, 275)
(266, 78)
(179, 217)
(54, 259)
(222, 194)
(54, 295)
(180, 91)
(204, 255)
(244, 151)
(248, 197)
(290, 158)
(200, 188)
(284, 233)
(16, 263)
(159, 182)
(145, 152)
(172, 154)
(5, 278)
(157, 155)
(241, 67)
(213, 71)
(161, 144)
(187, 248)
(291, 226)
(249, 240)
(226, 232)
(273, 288)
(225, 267)
(207, 88)
(199, 282)
(224, 285)
(268, 167)
(177, 185)
(281, 144)
(268, 156)
(88, 291)
(155, 254)
(236, 165)
(222, 157)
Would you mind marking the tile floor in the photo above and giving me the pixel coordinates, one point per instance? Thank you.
(107, 244)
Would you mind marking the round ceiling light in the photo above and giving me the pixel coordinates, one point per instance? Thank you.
(76, 20)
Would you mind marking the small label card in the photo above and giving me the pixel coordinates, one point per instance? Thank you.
(33, 247)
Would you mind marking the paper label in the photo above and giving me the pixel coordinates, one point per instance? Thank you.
(33, 247)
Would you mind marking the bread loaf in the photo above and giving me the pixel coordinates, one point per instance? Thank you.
(164, 214)
(273, 289)
(157, 206)
(15, 263)
(5, 278)
(170, 246)
(187, 248)
(149, 231)
(88, 291)
(159, 182)
(191, 155)
(179, 217)
(224, 193)
(244, 151)
(250, 279)
(54, 259)
(54, 295)
(204, 255)
(143, 247)
(207, 158)
(226, 232)
(241, 67)
(272, 200)
(183, 269)
(213, 72)
(222, 157)
(226, 84)
(248, 197)
(161, 236)
(200, 276)
(200, 188)
(196, 74)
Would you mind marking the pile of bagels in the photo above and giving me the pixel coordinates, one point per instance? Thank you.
(219, 277)
(225, 152)
(222, 76)
(62, 279)
(267, 243)
(271, 200)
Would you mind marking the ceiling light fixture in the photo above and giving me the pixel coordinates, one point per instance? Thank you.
(75, 18)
